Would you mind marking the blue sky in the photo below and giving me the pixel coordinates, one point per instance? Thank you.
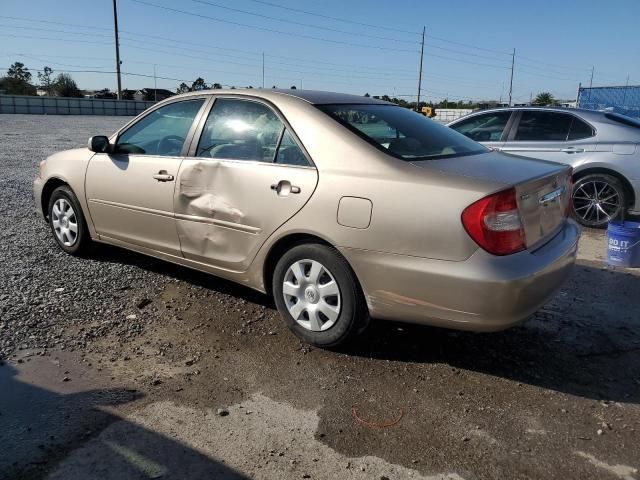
(467, 48)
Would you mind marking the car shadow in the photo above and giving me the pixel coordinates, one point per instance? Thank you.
(39, 428)
(112, 254)
(584, 342)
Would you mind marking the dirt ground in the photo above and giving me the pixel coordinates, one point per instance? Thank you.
(141, 369)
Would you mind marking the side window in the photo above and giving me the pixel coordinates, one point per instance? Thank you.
(543, 126)
(240, 130)
(289, 153)
(580, 129)
(484, 128)
(162, 132)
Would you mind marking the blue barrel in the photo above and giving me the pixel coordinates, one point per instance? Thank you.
(623, 244)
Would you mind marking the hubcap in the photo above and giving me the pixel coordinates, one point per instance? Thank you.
(596, 202)
(65, 222)
(311, 295)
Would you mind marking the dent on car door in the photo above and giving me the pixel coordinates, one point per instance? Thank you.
(247, 176)
(130, 191)
(486, 128)
(555, 136)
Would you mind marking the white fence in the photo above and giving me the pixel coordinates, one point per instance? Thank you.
(70, 106)
(446, 115)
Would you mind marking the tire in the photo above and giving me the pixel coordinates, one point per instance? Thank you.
(609, 196)
(323, 319)
(62, 223)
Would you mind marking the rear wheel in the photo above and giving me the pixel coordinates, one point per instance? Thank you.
(597, 199)
(318, 296)
(67, 221)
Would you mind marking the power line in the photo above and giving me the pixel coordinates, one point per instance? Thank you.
(320, 15)
(293, 22)
(299, 35)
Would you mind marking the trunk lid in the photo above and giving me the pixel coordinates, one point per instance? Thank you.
(543, 189)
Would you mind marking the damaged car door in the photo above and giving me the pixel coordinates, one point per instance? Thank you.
(130, 189)
(246, 176)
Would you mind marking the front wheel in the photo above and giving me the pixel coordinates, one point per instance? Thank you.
(67, 221)
(597, 199)
(318, 296)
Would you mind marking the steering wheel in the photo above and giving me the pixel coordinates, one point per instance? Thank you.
(170, 145)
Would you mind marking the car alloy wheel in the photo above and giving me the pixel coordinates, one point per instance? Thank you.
(311, 295)
(597, 199)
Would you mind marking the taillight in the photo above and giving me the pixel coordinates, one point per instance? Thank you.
(494, 223)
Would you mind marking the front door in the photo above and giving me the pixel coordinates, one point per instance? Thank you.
(130, 191)
(486, 128)
(247, 176)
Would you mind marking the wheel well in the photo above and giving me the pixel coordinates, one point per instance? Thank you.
(47, 190)
(280, 247)
(628, 189)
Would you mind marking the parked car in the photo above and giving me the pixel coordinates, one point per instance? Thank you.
(339, 220)
(602, 147)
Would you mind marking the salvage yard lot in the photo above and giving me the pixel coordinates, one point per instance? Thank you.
(122, 366)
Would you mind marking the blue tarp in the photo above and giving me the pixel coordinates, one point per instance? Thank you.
(624, 100)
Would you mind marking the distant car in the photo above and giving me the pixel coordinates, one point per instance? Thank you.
(293, 193)
(602, 147)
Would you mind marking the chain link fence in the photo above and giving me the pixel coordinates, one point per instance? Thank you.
(624, 100)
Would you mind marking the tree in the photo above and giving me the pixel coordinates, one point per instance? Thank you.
(293, 87)
(128, 94)
(17, 81)
(216, 86)
(544, 98)
(183, 88)
(367, 95)
(274, 87)
(19, 72)
(198, 84)
(148, 94)
(46, 82)
(65, 86)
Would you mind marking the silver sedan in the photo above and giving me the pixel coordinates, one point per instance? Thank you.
(602, 147)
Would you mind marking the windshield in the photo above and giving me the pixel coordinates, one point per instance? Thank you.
(401, 132)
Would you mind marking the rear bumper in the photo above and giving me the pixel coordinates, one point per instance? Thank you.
(482, 293)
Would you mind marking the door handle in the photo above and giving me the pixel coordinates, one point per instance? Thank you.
(163, 176)
(572, 150)
(284, 188)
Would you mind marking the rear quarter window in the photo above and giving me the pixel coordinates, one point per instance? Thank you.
(579, 130)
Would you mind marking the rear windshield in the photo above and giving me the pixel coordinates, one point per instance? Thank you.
(616, 117)
(401, 132)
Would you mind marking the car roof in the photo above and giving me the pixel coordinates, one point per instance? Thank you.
(315, 97)
(594, 114)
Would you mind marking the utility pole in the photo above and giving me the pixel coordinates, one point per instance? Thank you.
(513, 62)
(578, 95)
(155, 84)
(262, 69)
(115, 26)
(420, 70)
(590, 84)
(626, 87)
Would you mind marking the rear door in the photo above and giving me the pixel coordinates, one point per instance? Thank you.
(246, 175)
(487, 128)
(548, 135)
(130, 191)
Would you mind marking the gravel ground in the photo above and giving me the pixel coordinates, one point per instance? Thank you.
(200, 375)
(45, 298)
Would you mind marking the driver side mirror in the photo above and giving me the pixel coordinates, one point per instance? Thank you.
(99, 144)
